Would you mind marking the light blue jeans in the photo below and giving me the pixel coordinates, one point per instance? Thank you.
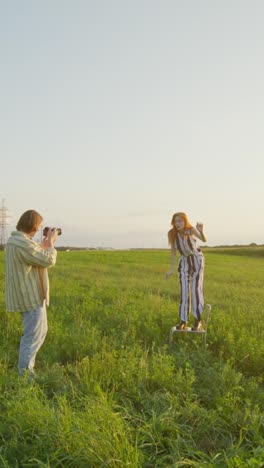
(35, 327)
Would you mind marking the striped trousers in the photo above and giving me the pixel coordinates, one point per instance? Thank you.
(191, 273)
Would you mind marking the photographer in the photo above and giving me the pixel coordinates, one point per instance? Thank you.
(27, 284)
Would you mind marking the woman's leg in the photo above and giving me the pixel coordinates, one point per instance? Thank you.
(185, 299)
(35, 330)
(197, 286)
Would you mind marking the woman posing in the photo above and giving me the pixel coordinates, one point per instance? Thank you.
(182, 238)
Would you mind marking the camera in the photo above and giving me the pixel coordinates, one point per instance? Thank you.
(45, 231)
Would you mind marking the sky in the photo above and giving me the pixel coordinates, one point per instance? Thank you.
(115, 114)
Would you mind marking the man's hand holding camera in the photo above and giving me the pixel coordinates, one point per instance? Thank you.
(50, 237)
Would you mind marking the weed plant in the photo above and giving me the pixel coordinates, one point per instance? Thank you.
(111, 392)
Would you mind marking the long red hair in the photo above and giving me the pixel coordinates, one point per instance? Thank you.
(173, 231)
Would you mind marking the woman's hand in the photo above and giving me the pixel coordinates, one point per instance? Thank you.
(199, 232)
(199, 227)
(168, 274)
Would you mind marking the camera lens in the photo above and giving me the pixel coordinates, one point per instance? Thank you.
(46, 229)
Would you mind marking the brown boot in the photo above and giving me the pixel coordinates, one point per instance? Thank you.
(197, 326)
(181, 325)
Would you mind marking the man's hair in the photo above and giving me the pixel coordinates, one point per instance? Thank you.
(29, 221)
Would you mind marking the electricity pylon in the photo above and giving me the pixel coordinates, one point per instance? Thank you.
(3, 224)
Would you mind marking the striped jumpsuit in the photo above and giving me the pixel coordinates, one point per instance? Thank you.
(191, 272)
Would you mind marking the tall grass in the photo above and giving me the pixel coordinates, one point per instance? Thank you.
(110, 392)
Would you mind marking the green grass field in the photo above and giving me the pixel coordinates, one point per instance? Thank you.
(111, 393)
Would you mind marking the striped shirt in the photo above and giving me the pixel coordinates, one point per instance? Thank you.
(26, 263)
(186, 244)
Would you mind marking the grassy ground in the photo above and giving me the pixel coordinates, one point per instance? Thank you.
(110, 392)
